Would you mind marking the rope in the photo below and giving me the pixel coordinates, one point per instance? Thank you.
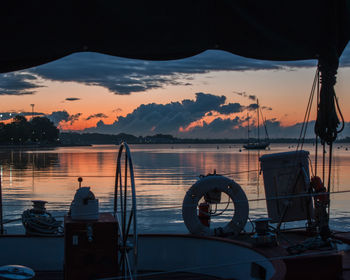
(41, 224)
(327, 120)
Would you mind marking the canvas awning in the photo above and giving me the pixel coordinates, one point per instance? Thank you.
(35, 32)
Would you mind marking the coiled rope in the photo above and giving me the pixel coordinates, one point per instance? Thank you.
(39, 222)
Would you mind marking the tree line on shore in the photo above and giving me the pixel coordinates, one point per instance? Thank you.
(74, 138)
(20, 131)
(41, 131)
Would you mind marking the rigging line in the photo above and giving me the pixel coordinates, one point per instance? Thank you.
(340, 113)
(239, 172)
(307, 109)
(310, 162)
(329, 174)
(302, 134)
(264, 123)
(203, 267)
(317, 102)
(140, 176)
(323, 161)
(190, 205)
(308, 115)
(179, 206)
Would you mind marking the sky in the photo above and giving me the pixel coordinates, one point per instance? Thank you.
(211, 95)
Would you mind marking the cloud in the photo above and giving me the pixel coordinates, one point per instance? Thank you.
(230, 108)
(252, 107)
(218, 128)
(59, 116)
(98, 115)
(125, 76)
(185, 119)
(18, 83)
(236, 129)
(244, 94)
(173, 117)
(72, 99)
(73, 118)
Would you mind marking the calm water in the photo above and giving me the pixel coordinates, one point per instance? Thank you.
(163, 175)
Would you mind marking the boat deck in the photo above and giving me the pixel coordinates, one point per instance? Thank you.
(58, 275)
(323, 263)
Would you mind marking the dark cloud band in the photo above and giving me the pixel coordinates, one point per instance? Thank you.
(124, 76)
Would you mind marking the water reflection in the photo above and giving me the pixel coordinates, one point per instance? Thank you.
(21, 159)
(163, 174)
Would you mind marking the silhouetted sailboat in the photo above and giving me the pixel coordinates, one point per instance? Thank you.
(258, 145)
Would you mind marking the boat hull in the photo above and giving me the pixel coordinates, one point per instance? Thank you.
(256, 146)
(158, 254)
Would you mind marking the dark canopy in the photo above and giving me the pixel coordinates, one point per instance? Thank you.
(35, 32)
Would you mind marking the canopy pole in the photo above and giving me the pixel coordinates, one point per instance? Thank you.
(1, 220)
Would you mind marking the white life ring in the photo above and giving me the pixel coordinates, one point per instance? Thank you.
(222, 184)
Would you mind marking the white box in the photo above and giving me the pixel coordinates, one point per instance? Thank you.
(287, 174)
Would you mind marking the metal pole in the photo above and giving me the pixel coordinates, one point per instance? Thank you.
(32, 109)
(257, 102)
(248, 127)
(1, 221)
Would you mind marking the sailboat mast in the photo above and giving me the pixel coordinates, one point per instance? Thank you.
(257, 102)
(248, 126)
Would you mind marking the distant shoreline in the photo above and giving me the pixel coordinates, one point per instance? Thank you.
(35, 147)
(31, 146)
(73, 139)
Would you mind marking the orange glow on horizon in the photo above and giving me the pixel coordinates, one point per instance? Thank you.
(284, 91)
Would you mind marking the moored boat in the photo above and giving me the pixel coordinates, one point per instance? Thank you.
(258, 144)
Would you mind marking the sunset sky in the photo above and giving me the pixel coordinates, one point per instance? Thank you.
(208, 95)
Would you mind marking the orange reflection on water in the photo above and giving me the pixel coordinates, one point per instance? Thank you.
(163, 174)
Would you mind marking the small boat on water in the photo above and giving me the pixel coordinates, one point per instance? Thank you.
(258, 144)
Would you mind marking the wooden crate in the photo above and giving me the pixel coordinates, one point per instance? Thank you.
(90, 248)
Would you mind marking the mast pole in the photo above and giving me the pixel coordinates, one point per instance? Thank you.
(248, 126)
(257, 102)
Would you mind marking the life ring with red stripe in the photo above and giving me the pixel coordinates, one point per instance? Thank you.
(221, 184)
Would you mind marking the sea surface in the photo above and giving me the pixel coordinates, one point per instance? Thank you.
(163, 174)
